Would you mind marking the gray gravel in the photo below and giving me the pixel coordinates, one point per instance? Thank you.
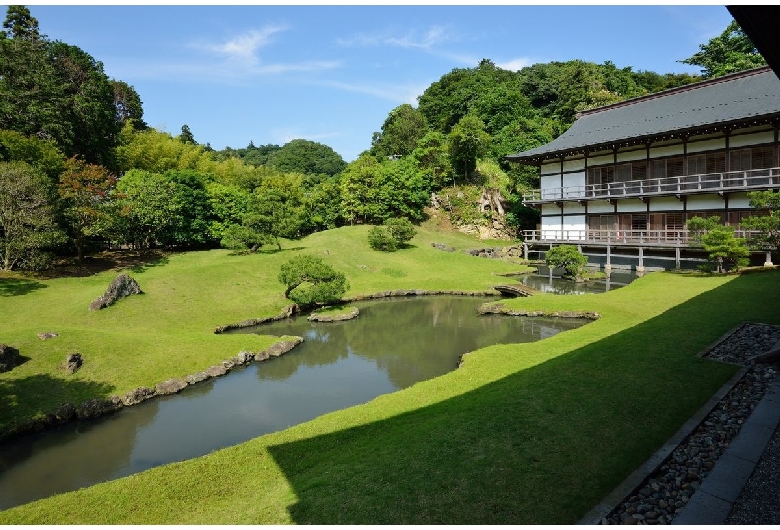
(664, 494)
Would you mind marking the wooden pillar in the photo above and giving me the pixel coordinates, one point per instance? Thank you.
(676, 257)
(608, 264)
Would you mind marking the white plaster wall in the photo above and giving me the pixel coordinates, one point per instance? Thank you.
(631, 206)
(573, 207)
(574, 180)
(751, 139)
(600, 207)
(575, 226)
(666, 204)
(550, 209)
(706, 202)
(706, 145)
(600, 160)
(574, 165)
(667, 150)
(551, 168)
(550, 182)
(739, 201)
(630, 156)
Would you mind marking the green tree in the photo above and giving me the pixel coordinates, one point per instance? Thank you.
(186, 136)
(307, 157)
(401, 230)
(359, 185)
(432, 156)
(719, 242)
(41, 154)
(468, 141)
(128, 105)
(20, 24)
(731, 51)
(164, 209)
(766, 228)
(87, 105)
(401, 131)
(308, 280)
(569, 258)
(85, 190)
(27, 226)
(379, 238)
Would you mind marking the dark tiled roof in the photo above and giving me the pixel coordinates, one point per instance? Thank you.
(734, 98)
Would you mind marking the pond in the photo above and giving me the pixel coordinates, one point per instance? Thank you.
(545, 282)
(393, 344)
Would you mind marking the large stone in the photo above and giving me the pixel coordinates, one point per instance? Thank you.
(97, 407)
(72, 362)
(335, 317)
(138, 395)
(122, 286)
(282, 347)
(9, 357)
(171, 386)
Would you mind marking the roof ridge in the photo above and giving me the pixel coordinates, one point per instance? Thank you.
(676, 90)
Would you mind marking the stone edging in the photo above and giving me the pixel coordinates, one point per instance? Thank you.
(98, 406)
(354, 312)
(418, 292)
(498, 308)
(287, 312)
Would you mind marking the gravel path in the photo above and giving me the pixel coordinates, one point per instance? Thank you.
(663, 494)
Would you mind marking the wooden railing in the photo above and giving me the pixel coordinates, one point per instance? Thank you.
(712, 182)
(645, 237)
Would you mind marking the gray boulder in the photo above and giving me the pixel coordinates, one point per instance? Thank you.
(122, 286)
(72, 362)
(9, 357)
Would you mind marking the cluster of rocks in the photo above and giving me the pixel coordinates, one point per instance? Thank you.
(443, 247)
(664, 493)
(515, 251)
(122, 286)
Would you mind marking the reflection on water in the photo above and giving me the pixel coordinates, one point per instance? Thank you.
(392, 345)
(548, 281)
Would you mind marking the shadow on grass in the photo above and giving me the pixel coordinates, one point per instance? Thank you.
(40, 394)
(540, 446)
(19, 286)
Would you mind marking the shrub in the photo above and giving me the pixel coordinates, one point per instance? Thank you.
(309, 281)
(401, 229)
(567, 257)
(379, 238)
(393, 235)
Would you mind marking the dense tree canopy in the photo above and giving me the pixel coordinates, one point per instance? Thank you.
(307, 157)
(731, 51)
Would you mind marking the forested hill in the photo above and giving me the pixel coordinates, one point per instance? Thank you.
(80, 169)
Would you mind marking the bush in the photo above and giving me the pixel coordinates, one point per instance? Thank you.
(401, 229)
(379, 238)
(309, 281)
(392, 236)
(567, 257)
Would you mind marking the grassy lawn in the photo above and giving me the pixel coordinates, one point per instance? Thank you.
(520, 434)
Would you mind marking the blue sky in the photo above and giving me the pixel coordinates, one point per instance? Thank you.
(331, 73)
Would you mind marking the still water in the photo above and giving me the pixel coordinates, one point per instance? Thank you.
(545, 282)
(391, 345)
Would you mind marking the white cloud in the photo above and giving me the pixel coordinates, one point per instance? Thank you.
(243, 47)
(424, 40)
(516, 64)
(397, 93)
